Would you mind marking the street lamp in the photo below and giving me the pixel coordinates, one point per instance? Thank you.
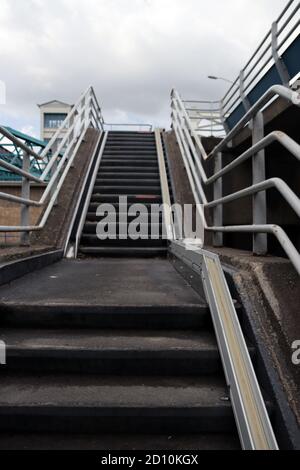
(212, 77)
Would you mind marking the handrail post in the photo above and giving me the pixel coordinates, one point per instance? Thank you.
(87, 104)
(72, 138)
(260, 240)
(53, 171)
(279, 63)
(218, 237)
(25, 210)
(243, 96)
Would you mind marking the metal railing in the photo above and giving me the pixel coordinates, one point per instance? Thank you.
(193, 154)
(63, 147)
(12, 154)
(130, 127)
(268, 54)
(206, 117)
(213, 117)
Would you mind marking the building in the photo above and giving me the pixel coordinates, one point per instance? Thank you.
(53, 114)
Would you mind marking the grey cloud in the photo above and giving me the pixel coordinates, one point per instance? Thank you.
(132, 51)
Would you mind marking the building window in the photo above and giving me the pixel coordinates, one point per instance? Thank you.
(53, 121)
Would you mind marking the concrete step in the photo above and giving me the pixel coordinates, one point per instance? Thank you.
(127, 163)
(84, 403)
(147, 207)
(92, 216)
(128, 189)
(131, 135)
(131, 198)
(91, 227)
(129, 176)
(124, 252)
(130, 151)
(96, 315)
(92, 240)
(121, 353)
(118, 442)
(135, 146)
(142, 180)
(115, 169)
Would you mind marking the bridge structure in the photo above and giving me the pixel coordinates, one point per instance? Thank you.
(13, 154)
(124, 327)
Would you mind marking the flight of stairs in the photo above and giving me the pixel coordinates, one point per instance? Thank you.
(129, 167)
(112, 354)
(116, 353)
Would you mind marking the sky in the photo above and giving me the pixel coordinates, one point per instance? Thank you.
(133, 52)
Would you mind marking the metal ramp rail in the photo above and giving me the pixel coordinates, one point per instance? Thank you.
(251, 416)
(252, 419)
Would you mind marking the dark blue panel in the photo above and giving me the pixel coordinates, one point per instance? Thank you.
(235, 116)
(291, 59)
(271, 78)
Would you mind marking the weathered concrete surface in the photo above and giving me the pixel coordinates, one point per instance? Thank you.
(19, 252)
(180, 182)
(182, 190)
(102, 282)
(269, 289)
(58, 224)
(109, 442)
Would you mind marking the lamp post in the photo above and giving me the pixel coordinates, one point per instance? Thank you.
(213, 77)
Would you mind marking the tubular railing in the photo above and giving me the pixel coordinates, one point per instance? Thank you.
(268, 54)
(265, 68)
(206, 116)
(138, 127)
(63, 147)
(193, 154)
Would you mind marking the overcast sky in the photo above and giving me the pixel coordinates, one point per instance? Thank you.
(132, 51)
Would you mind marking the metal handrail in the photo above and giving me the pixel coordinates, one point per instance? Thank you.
(276, 90)
(19, 143)
(193, 153)
(269, 51)
(66, 143)
(89, 195)
(209, 119)
(139, 126)
(166, 197)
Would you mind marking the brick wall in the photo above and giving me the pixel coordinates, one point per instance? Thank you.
(10, 212)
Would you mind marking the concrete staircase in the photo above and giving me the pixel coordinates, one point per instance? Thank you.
(129, 167)
(118, 352)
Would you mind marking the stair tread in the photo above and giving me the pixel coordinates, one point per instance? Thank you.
(126, 282)
(108, 442)
(166, 342)
(123, 251)
(139, 181)
(80, 391)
